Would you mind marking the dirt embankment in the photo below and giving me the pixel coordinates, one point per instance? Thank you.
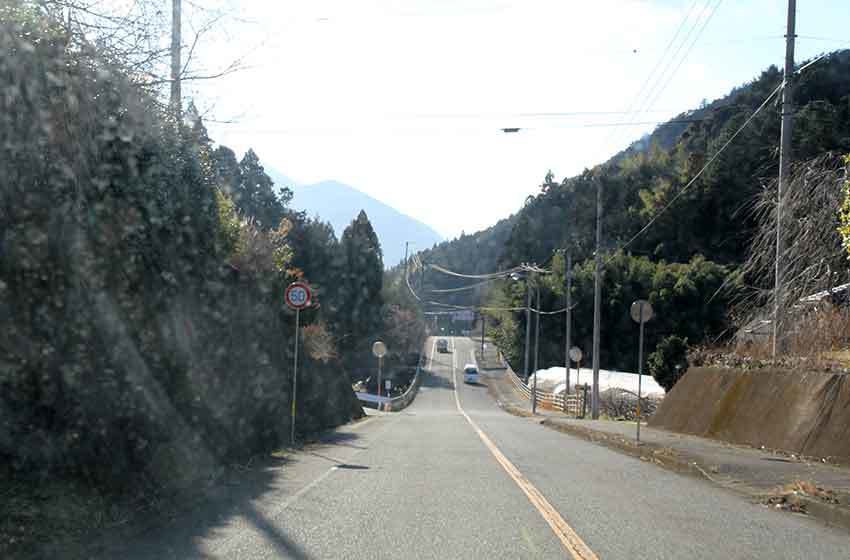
(797, 411)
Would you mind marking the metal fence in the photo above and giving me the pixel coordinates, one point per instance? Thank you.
(395, 403)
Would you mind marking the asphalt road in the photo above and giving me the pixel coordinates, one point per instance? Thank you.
(454, 476)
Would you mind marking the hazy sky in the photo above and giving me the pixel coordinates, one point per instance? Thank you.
(405, 99)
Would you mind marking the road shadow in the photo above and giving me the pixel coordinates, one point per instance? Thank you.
(434, 381)
(476, 384)
(237, 497)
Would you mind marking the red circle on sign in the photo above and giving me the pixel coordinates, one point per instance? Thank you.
(298, 295)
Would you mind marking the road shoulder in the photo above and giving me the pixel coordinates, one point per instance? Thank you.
(778, 480)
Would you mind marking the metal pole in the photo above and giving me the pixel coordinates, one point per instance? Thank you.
(640, 369)
(536, 352)
(784, 164)
(527, 326)
(176, 69)
(379, 380)
(597, 303)
(578, 374)
(483, 326)
(294, 377)
(568, 273)
(584, 401)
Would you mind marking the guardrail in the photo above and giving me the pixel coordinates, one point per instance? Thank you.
(545, 399)
(394, 404)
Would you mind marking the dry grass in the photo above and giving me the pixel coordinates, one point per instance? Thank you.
(789, 497)
(814, 258)
(820, 333)
(819, 339)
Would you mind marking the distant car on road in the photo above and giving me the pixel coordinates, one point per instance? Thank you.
(470, 373)
(442, 346)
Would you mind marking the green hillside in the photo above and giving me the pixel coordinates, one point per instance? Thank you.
(708, 229)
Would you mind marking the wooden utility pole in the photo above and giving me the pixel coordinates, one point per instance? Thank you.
(597, 303)
(568, 273)
(784, 166)
(176, 67)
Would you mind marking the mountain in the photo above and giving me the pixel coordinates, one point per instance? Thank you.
(339, 204)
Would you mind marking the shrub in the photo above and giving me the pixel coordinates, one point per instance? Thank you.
(669, 362)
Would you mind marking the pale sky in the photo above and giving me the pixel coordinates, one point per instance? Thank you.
(404, 100)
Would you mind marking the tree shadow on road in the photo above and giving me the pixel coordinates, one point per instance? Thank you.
(239, 501)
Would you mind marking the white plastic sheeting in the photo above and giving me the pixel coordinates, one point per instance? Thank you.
(552, 379)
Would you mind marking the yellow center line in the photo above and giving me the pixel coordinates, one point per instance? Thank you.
(568, 537)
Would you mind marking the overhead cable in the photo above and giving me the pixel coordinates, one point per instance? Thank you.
(701, 171)
(462, 288)
(491, 275)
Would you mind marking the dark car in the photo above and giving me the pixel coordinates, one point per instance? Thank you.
(442, 345)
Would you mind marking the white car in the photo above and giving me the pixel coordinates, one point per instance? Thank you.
(470, 373)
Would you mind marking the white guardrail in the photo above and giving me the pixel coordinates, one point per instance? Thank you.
(395, 403)
(546, 399)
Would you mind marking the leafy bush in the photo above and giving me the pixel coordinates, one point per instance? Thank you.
(669, 362)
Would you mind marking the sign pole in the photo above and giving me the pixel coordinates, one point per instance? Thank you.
(380, 360)
(574, 355)
(297, 297)
(483, 328)
(641, 312)
(295, 376)
(640, 370)
(379, 350)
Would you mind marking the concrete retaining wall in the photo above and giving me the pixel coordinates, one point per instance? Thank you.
(796, 411)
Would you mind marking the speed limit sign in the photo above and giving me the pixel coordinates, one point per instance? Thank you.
(297, 295)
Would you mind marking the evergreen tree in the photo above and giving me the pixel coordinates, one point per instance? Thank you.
(256, 196)
(360, 280)
(227, 171)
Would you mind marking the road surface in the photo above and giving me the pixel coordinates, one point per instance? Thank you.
(454, 476)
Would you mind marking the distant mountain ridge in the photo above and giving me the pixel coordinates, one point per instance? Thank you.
(339, 203)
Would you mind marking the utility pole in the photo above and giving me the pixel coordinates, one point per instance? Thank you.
(527, 324)
(597, 303)
(784, 165)
(175, 60)
(536, 353)
(568, 274)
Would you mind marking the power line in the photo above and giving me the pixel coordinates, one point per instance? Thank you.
(701, 171)
(658, 64)
(714, 157)
(491, 275)
(635, 105)
(463, 288)
(705, 23)
(666, 75)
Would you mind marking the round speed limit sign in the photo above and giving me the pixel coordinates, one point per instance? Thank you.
(297, 295)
